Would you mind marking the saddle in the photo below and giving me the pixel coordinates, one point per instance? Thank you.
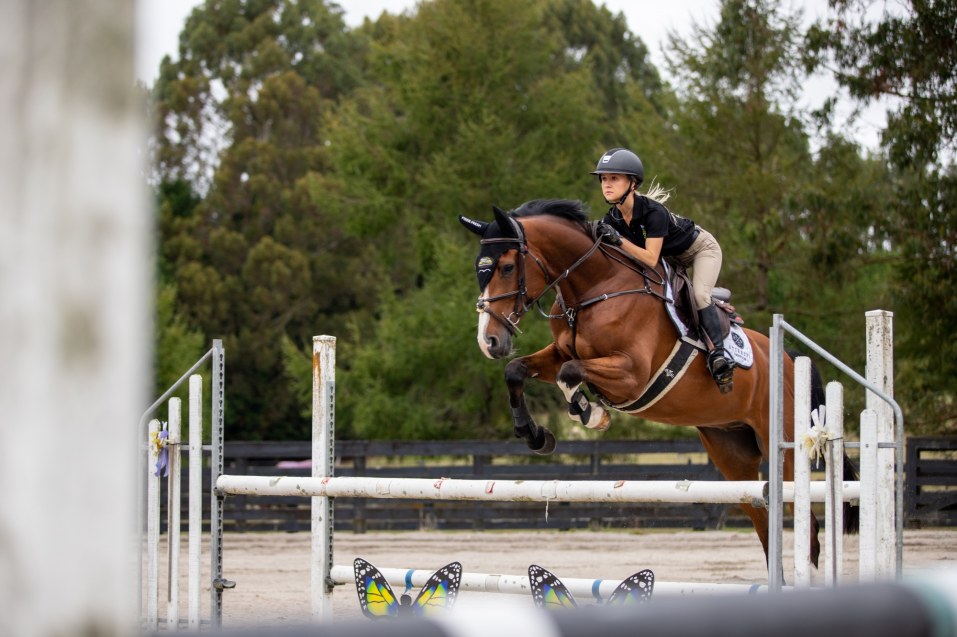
(681, 287)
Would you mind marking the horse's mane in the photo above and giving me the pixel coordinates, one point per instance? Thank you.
(565, 208)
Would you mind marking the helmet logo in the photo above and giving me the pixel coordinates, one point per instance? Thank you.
(606, 159)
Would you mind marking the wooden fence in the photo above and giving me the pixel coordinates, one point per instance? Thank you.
(930, 497)
(930, 494)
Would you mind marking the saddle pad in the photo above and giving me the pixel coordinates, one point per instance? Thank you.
(736, 344)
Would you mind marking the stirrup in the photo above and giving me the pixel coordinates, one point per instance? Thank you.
(722, 370)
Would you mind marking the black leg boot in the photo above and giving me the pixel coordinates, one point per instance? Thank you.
(719, 363)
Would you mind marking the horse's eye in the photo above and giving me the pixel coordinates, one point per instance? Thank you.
(508, 269)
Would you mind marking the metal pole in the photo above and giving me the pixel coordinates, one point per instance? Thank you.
(776, 458)
(216, 499)
(323, 459)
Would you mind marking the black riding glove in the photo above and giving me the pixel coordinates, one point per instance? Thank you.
(608, 234)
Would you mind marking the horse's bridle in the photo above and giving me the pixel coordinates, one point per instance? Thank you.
(522, 301)
(520, 293)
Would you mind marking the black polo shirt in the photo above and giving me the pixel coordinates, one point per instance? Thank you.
(651, 219)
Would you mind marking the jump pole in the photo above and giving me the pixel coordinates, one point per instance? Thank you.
(545, 491)
(581, 588)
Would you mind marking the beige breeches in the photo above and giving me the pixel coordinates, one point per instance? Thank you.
(703, 259)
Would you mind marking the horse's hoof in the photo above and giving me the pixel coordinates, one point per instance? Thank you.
(548, 444)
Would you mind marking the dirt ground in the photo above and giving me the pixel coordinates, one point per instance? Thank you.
(272, 570)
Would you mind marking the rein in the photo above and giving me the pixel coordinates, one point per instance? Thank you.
(523, 302)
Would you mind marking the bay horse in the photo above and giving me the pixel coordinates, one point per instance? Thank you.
(611, 333)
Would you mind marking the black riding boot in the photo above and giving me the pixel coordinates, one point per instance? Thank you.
(719, 363)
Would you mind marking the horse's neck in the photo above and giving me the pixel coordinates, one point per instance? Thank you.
(598, 275)
(645, 318)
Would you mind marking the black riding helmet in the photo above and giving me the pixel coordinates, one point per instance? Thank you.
(623, 162)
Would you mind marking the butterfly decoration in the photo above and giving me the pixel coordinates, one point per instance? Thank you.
(550, 593)
(378, 600)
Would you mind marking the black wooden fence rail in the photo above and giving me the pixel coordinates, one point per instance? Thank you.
(931, 478)
(930, 494)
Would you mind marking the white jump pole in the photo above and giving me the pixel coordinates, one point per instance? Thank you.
(869, 511)
(802, 473)
(581, 588)
(544, 491)
(834, 497)
(880, 372)
(195, 501)
(173, 513)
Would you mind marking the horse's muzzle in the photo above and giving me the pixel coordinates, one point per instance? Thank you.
(497, 346)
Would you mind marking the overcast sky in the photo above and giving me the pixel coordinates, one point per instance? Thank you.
(160, 22)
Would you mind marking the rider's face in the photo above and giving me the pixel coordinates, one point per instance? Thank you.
(614, 186)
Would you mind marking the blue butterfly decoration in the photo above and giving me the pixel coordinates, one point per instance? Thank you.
(378, 600)
(550, 593)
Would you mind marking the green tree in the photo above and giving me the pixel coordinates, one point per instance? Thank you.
(802, 229)
(909, 56)
(256, 256)
(467, 104)
(743, 140)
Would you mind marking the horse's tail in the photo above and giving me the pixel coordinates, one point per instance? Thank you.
(852, 517)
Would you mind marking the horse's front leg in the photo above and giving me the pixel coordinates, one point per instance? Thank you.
(592, 415)
(541, 365)
(610, 373)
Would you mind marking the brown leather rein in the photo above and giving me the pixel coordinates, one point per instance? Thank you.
(523, 302)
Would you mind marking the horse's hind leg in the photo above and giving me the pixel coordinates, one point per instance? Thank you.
(569, 380)
(736, 454)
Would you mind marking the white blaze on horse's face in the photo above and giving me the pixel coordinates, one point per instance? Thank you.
(484, 318)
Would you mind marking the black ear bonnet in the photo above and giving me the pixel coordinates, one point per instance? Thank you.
(504, 227)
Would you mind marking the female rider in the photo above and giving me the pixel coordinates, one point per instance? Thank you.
(646, 230)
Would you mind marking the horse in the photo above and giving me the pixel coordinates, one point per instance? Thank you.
(612, 334)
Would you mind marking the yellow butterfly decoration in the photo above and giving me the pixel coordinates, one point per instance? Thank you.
(550, 593)
(378, 600)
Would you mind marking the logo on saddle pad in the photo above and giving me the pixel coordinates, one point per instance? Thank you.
(738, 346)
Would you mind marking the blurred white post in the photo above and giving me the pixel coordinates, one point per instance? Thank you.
(75, 279)
(152, 530)
(802, 473)
(880, 372)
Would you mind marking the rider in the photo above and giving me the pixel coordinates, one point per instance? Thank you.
(646, 230)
